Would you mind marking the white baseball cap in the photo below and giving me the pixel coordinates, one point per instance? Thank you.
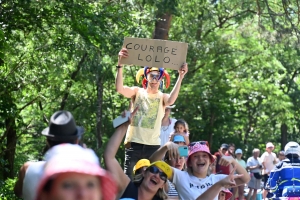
(269, 144)
(238, 151)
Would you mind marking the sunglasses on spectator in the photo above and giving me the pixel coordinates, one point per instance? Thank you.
(155, 170)
(198, 142)
(153, 76)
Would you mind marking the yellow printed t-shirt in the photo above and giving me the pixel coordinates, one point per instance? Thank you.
(145, 126)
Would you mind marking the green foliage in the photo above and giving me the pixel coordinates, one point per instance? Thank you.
(241, 87)
(6, 190)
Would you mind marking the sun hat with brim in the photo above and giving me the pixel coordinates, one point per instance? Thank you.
(178, 138)
(62, 127)
(199, 148)
(228, 194)
(164, 167)
(141, 163)
(66, 158)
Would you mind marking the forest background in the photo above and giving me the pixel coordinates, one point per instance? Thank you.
(242, 84)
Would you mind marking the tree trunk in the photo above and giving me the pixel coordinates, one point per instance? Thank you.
(162, 26)
(284, 133)
(9, 154)
(99, 109)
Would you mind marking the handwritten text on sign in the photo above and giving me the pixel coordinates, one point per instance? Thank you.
(155, 53)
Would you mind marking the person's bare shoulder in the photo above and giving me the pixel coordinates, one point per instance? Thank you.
(24, 168)
(166, 97)
(19, 184)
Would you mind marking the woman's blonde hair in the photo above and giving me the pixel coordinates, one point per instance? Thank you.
(138, 179)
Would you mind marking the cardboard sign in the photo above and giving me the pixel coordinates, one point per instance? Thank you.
(155, 53)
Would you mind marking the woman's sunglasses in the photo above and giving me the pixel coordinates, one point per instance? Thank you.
(155, 170)
(199, 142)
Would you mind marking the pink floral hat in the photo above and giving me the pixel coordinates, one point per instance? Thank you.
(200, 146)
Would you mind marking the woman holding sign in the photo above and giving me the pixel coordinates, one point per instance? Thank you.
(143, 135)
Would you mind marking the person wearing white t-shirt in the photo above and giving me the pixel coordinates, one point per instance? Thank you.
(196, 180)
(254, 166)
(268, 161)
(167, 126)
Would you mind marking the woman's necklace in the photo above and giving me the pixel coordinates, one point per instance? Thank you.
(167, 126)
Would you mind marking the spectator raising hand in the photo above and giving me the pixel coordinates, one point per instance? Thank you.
(227, 182)
(154, 176)
(143, 134)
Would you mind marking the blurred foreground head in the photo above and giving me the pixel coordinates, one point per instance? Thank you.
(72, 172)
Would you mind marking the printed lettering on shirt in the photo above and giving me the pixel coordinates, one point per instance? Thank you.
(200, 186)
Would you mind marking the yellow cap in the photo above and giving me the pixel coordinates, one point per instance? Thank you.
(141, 163)
(164, 167)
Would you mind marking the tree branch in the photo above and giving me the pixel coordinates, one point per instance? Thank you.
(29, 103)
(69, 84)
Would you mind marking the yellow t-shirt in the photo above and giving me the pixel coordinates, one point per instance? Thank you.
(145, 126)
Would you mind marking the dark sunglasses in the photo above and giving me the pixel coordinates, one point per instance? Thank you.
(198, 142)
(155, 170)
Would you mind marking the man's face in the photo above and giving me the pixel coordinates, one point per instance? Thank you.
(270, 149)
(153, 76)
(153, 79)
(256, 154)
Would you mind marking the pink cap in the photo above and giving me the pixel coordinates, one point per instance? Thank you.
(73, 158)
(228, 194)
(199, 148)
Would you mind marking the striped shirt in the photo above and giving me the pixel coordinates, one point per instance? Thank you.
(172, 191)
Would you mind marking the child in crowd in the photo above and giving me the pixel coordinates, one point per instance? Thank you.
(225, 194)
(181, 128)
(179, 139)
